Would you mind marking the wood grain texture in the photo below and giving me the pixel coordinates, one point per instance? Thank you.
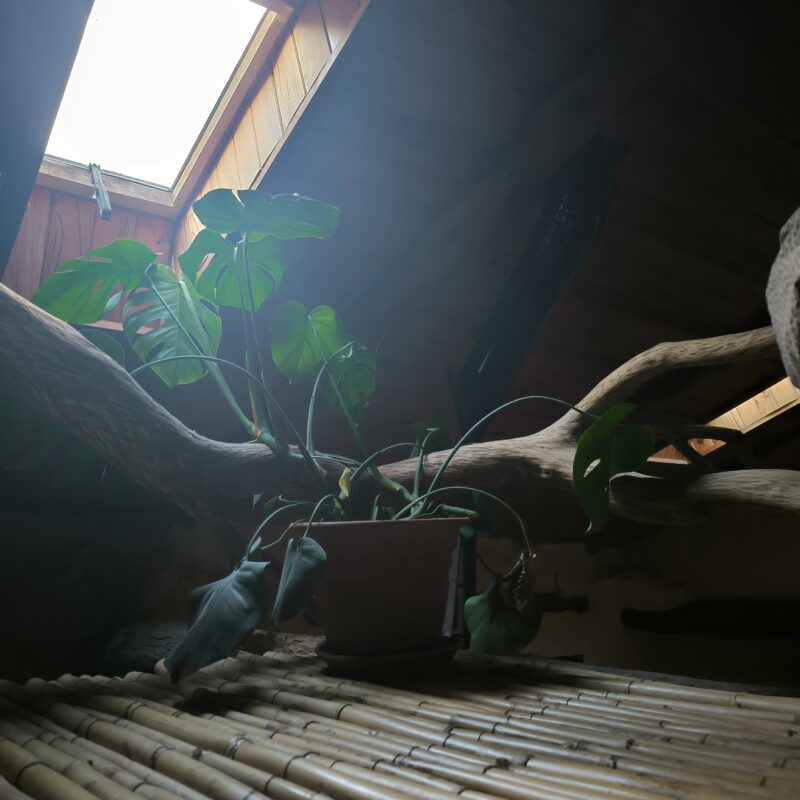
(338, 14)
(311, 42)
(289, 85)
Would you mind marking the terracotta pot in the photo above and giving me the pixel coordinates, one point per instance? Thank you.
(386, 586)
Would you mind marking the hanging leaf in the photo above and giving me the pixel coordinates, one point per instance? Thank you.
(105, 342)
(219, 281)
(303, 569)
(494, 625)
(284, 216)
(158, 332)
(221, 616)
(302, 341)
(82, 290)
(354, 373)
(605, 449)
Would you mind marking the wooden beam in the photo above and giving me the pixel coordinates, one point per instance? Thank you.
(70, 178)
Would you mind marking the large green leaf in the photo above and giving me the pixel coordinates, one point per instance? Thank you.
(353, 372)
(302, 341)
(81, 290)
(303, 569)
(221, 616)
(220, 280)
(605, 449)
(106, 343)
(157, 332)
(284, 216)
(494, 626)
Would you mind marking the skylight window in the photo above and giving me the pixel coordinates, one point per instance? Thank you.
(147, 76)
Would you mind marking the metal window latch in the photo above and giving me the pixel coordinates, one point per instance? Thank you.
(100, 193)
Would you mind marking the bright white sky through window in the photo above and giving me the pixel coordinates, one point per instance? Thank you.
(146, 78)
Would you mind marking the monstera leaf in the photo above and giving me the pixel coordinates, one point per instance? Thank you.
(303, 569)
(303, 340)
(353, 373)
(223, 281)
(605, 449)
(179, 329)
(221, 616)
(107, 343)
(284, 216)
(82, 290)
(494, 625)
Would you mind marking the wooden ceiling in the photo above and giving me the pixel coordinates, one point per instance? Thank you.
(434, 132)
(433, 105)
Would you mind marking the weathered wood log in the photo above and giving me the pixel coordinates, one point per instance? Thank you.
(47, 363)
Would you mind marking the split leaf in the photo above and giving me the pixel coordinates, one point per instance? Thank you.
(187, 324)
(83, 289)
(107, 343)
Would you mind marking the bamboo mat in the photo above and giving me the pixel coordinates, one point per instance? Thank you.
(277, 726)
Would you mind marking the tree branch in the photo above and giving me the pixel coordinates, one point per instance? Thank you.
(46, 363)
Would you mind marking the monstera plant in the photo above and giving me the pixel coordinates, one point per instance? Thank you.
(171, 319)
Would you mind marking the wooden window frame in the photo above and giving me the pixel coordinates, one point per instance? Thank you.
(169, 203)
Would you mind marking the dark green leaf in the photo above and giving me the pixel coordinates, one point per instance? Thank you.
(221, 616)
(302, 341)
(284, 216)
(105, 342)
(605, 449)
(354, 374)
(494, 626)
(157, 332)
(81, 290)
(219, 282)
(303, 569)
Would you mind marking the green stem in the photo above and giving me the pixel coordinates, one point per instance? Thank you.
(434, 492)
(460, 443)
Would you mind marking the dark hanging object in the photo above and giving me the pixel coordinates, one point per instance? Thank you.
(100, 193)
(572, 209)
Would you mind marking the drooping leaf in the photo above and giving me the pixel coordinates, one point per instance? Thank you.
(303, 569)
(219, 282)
(105, 342)
(284, 216)
(157, 332)
(354, 373)
(81, 290)
(221, 616)
(494, 625)
(302, 341)
(605, 449)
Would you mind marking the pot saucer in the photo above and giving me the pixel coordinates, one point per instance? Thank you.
(392, 663)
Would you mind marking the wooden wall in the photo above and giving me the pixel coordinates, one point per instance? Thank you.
(319, 28)
(57, 227)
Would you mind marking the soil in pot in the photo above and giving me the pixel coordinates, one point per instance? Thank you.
(386, 586)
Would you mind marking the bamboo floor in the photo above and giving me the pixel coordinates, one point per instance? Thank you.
(276, 725)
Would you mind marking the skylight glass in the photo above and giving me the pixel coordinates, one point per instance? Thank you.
(147, 75)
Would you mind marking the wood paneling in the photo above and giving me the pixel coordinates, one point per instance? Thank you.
(58, 227)
(302, 56)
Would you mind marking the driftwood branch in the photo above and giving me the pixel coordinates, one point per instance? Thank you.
(47, 363)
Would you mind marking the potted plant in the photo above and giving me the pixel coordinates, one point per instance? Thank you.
(376, 554)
